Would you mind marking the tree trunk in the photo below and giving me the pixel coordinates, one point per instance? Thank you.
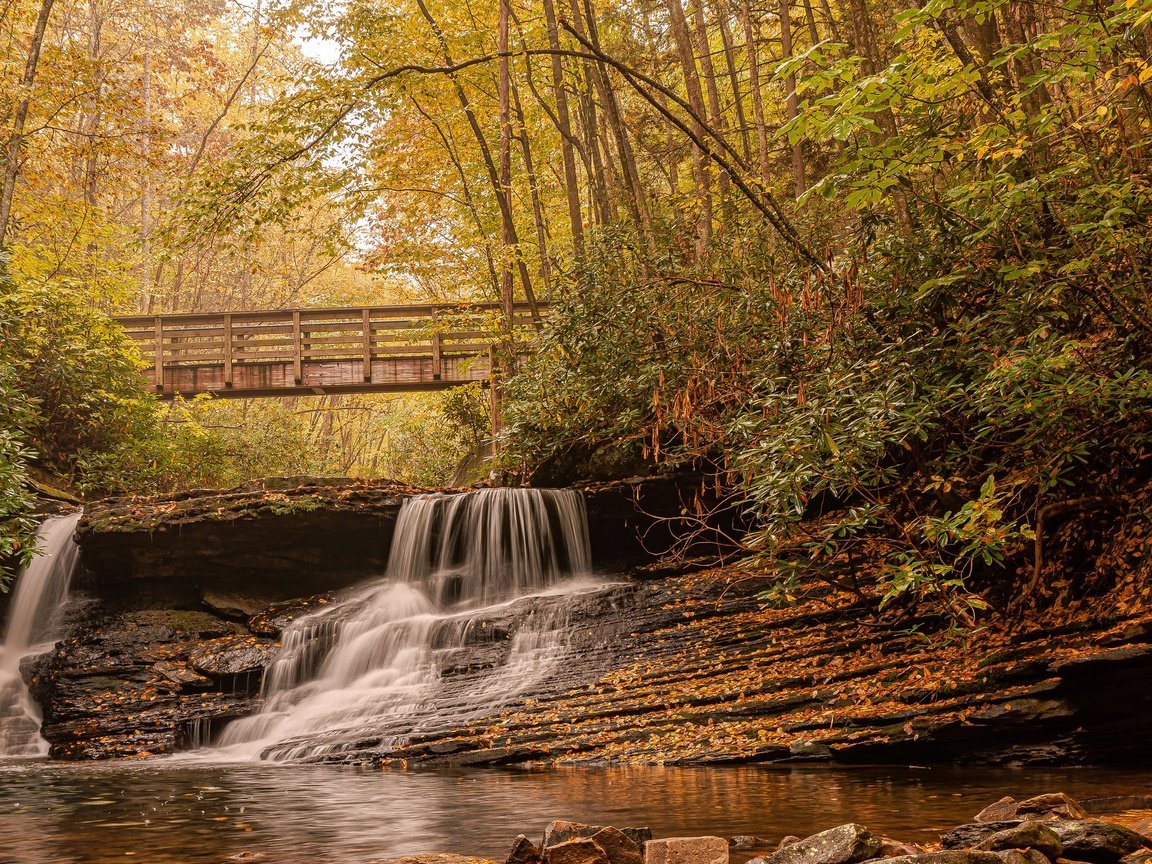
(700, 171)
(20, 120)
(634, 193)
(791, 104)
(571, 182)
(507, 229)
(734, 83)
(715, 114)
(754, 85)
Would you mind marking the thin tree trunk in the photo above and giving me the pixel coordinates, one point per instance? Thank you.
(534, 189)
(590, 125)
(507, 229)
(634, 194)
(700, 171)
(508, 226)
(754, 85)
(571, 183)
(791, 105)
(20, 119)
(704, 49)
(466, 188)
(734, 82)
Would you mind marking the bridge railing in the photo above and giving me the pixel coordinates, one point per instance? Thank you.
(306, 338)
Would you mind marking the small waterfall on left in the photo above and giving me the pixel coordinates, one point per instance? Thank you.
(40, 593)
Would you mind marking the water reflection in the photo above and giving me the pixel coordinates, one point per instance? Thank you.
(178, 814)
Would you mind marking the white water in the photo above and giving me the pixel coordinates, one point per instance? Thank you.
(40, 593)
(379, 664)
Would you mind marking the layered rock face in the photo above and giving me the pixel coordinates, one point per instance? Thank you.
(187, 598)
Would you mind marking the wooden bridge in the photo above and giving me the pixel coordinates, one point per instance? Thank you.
(372, 349)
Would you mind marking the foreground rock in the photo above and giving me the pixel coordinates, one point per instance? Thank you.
(686, 850)
(845, 844)
(1027, 835)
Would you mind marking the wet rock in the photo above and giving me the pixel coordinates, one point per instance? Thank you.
(1026, 856)
(232, 657)
(747, 841)
(809, 751)
(1143, 828)
(1144, 856)
(686, 850)
(578, 851)
(181, 674)
(972, 834)
(561, 831)
(1003, 810)
(896, 849)
(523, 851)
(844, 844)
(618, 846)
(272, 620)
(1055, 805)
(1027, 835)
(233, 605)
(957, 856)
(1097, 841)
(788, 840)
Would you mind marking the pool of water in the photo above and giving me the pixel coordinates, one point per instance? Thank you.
(164, 812)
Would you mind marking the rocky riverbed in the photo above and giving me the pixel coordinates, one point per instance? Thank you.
(1046, 829)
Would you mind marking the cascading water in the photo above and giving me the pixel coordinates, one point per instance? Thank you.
(379, 665)
(40, 593)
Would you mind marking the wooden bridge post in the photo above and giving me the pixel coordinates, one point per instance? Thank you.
(297, 349)
(158, 360)
(437, 360)
(367, 319)
(227, 350)
(494, 397)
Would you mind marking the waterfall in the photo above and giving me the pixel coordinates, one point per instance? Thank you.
(383, 663)
(40, 593)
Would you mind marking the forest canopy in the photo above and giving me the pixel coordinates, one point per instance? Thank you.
(877, 272)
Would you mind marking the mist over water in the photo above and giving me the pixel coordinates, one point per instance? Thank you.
(377, 665)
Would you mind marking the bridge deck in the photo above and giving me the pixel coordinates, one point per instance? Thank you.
(373, 349)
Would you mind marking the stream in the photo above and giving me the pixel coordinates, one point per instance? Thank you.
(173, 812)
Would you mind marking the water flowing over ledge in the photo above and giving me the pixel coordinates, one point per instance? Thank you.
(40, 593)
(382, 664)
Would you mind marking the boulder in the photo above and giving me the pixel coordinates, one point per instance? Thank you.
(618, 846)
(844, 844)
(788, 840)
(1001, 811)
(561, 831)
(974, 833)
(1027, 856)
(896, 849)
(1097, 841)
(578, 851)
(686, 850)
(524, 851)
(233, 605)
(1034, 834)
(1055, 805)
